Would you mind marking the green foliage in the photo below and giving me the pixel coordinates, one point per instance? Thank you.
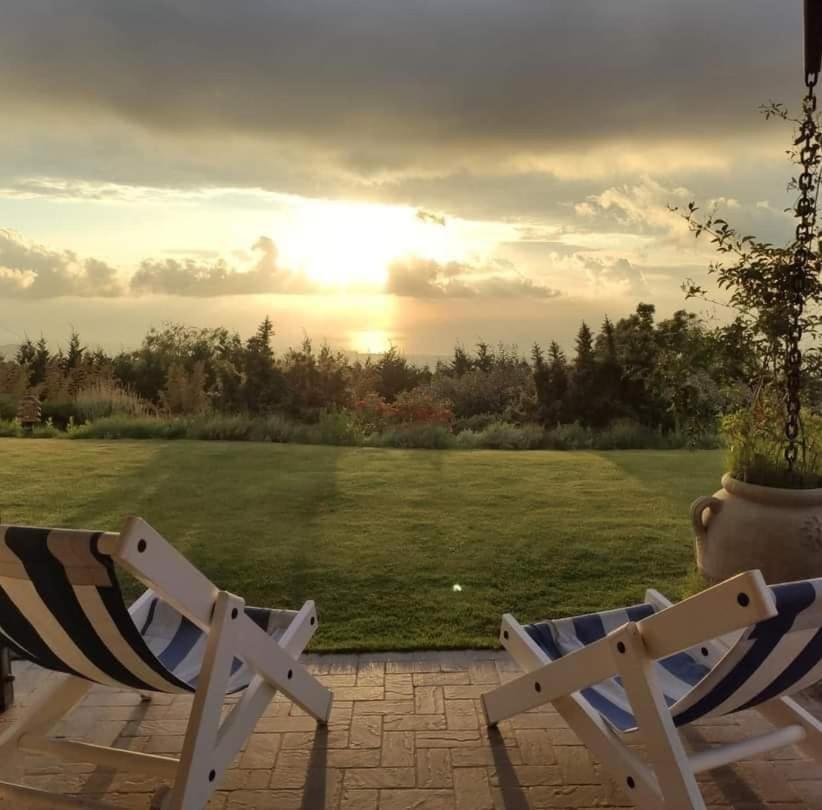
(674, 378)
(502, 436)
(499, 384)
(315, 382)
(762, 284)
(9, 428)
(337, 428)
(8, 407)
(423, 437)
(129, 427)
(569, 437)
(394, 374)
(104, 398)
(756, 446)
(13, 429)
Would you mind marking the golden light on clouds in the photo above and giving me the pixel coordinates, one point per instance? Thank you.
(348, 246)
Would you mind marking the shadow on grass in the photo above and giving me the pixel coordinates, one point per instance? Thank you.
(253, 538)
(678, 476)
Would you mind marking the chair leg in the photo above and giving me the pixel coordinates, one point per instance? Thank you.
(785, 711)
(663, 744)
(199, 775)
(624, 766)
(49, 705)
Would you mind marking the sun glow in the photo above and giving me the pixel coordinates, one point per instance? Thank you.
(373, 341)
(349, 246)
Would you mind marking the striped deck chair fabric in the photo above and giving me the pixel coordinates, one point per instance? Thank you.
(62, 608)
(775, 657)
(651, 669)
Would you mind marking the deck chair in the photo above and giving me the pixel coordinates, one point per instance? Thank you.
(61, 607)
(641, 673)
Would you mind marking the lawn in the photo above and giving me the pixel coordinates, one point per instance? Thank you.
(380, 538)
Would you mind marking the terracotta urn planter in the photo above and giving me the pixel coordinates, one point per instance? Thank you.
(746, 526)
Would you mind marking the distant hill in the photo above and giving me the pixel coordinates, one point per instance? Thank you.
(8, 350)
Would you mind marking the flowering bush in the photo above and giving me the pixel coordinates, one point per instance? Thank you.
(373, 413)
(420, 406)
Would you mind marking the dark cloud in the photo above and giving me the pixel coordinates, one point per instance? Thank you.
(191, 278)
(414, 277)
(33, 271)
(310, 94)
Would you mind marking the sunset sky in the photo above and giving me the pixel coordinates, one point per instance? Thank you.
(373, 171)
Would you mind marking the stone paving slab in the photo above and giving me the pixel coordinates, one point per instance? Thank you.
(406, 733)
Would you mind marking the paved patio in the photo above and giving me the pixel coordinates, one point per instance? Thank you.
(405, 734)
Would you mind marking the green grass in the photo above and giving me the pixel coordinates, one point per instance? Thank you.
(379, 537)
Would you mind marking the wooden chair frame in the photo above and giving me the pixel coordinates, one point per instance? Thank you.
(209, 745)
(631, 652)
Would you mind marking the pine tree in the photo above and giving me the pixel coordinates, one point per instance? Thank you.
(25, 353)
(461, 364)
(537, 357)
(263, 383)
(608, 374)
(40, 362)
(584, 360)
(485, 357)
(74, 352)
(551, 383)
(584, 377)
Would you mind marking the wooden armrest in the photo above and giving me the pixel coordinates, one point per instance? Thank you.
(731, 605)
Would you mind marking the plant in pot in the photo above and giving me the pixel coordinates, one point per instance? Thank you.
(768, 514)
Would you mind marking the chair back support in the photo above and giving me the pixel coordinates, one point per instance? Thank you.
(781, 655)
(61, 606)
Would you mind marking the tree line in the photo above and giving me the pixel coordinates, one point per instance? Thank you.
(676, 374)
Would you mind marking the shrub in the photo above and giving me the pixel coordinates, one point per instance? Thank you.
(627, 434)
(569, 437)
(8, 407)
(502, 436)
(475, 423)
(10, 429)
(503, 390)
(220, 427)
(123, 427)
(338, 428)
(60, 412)
(373, 413)
(422, 406)
(105, 398)
(45, 431)
(425, 437)
(273, 428)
